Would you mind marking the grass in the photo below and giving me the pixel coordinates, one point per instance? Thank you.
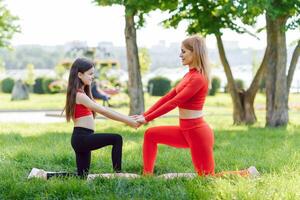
(57, 101)
(275, 152)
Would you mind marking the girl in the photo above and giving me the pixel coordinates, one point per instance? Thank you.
(193, 132)
(81, 108)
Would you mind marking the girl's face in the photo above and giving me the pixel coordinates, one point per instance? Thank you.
(87, 77)
(186, 56)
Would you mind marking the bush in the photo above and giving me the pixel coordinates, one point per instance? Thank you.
(158, 86)
(239, 84)
(45, 84)
(57, 86)
(262, 85)
(215, 86)
(38, 86)
(7, 85)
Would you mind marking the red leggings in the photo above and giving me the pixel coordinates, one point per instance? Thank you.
(192, 133)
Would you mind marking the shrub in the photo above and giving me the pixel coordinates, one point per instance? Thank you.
(239, 84)
(159, 86)
(7, 85)
(38, 86)
(45, 84)
(262, 85)
(57, 86)
(215, 86)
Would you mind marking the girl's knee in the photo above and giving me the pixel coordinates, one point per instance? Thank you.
(119, 139)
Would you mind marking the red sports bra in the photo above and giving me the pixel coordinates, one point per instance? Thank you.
(81, 110)
(190, 94)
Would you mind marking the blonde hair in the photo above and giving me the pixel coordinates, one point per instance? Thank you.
(197, 45)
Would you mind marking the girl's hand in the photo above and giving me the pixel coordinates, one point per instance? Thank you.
(133, 123)
(141, 119)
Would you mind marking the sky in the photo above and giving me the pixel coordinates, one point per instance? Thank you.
(56, 22)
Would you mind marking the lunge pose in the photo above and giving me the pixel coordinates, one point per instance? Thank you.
(193, 132)
(81, 108)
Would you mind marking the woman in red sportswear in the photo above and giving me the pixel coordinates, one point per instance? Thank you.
(193, 132)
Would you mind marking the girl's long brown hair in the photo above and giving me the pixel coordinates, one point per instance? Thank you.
(197, 45)
(74, 84)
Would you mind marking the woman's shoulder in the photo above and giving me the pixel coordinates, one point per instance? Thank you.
(198, 76)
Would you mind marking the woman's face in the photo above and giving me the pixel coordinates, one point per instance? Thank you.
(87, 77)
(186, 56)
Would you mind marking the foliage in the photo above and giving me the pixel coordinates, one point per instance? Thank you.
(159, 86)
(38, 86)
(46, 83)
(240, 85)
(30, 77)
(42, 57)
(60, 70)
(7, 85)
(140, 8)
(8, 25)
(262, 85)
(215, 86)
(145, 60)
(57, 86)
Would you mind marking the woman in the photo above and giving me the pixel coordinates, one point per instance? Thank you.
(81, 108)
(193, 132)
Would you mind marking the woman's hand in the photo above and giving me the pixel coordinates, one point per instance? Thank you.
(139, 118)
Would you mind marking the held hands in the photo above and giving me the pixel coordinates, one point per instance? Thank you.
(133, 123)
(139, 119)
(136, 121)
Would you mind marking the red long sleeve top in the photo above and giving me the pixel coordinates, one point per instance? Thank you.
(189, 94)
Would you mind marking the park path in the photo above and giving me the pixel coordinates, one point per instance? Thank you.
(30, 117)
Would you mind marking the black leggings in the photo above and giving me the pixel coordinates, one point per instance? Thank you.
(83, 142)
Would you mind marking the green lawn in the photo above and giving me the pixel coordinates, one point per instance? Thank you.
(120, 101)
(275, 152)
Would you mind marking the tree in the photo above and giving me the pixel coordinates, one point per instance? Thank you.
(280, 15)
(136, 9)
(211, 17)
(8, 25)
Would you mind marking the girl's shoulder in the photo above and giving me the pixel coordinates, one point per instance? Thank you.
(80, 96)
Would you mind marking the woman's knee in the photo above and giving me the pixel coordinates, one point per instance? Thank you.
(148, 135)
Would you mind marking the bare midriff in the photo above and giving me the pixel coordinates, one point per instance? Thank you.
(85, 122)
(189, 114)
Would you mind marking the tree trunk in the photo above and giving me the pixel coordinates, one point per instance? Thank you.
(135, 86)
(243, 101)
(237, 97)
(276, 80)
(293, 65)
